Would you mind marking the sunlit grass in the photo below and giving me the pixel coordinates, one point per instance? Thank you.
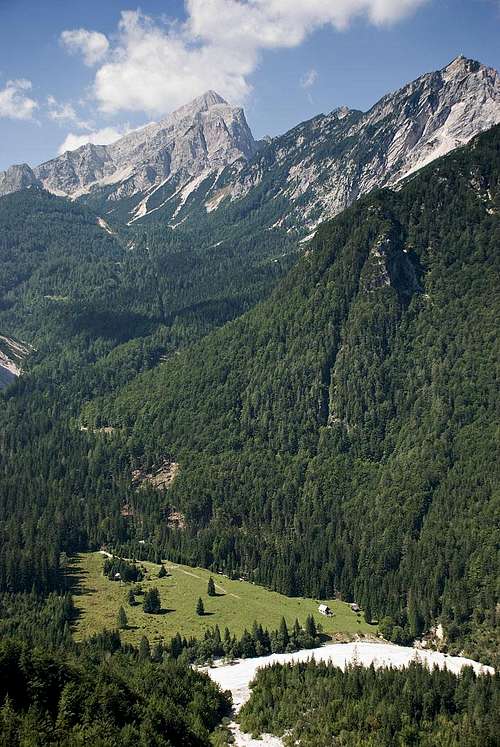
(237, 604)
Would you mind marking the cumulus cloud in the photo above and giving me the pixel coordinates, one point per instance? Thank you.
(91, 44)
(155, 67)
(309, 79)
(105, 136)
(14, 101)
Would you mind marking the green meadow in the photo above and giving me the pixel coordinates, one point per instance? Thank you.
(237, 604)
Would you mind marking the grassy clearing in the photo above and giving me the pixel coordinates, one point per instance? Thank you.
(237, 604)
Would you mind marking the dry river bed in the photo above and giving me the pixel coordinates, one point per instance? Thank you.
(238, 675)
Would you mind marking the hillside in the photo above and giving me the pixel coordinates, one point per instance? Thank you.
(98, 307)
(67, 279)
(340, 436)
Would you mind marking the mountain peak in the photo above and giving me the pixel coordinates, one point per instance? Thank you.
(462, 64)
(211, 97)
(198, 105)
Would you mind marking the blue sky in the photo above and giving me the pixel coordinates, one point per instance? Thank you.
(283, 61)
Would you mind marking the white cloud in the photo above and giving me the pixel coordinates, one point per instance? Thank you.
(64, 112)
(105, 136)
(14, 103)
(60, 112)
(309, 79)
(92, 44)
(155, 67)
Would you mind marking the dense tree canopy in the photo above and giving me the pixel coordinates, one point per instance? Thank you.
(53, 698)
(319, 704)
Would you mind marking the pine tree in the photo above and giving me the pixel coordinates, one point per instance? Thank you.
(283, 635)
(211, 587)
(122, 619)
(200, 607)
(311, 627)
(144, 649)
(152, 602)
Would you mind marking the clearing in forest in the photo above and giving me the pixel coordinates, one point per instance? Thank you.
(236, 604)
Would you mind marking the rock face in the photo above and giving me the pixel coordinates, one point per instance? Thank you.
(12, 354)
(16, 178)
(204, 154)
(323, 165)
(197, 139)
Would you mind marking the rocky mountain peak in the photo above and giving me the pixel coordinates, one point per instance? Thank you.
(318, 167)
(461, 65)
(341, 112)
(17, 177)
(325, 164)
(200, 104)
(202, 136)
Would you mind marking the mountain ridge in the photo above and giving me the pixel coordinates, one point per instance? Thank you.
(203, 135)
(359, 151)
(204, 155)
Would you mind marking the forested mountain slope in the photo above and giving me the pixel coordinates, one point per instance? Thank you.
(97, 308)
(66, 278)
(341, 435)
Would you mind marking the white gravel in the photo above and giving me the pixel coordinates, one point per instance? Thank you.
(237, 676)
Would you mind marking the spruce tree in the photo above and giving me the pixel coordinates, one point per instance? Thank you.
(368, 613)
(227, 643)
(200, 607)
(176, 646)
(152, 602)
(144, 649)
(157, 653)
(283, 635)
(211, 587)
(9, 722)
(162, 572)
(131, 598)
(311, 627)
(122, 619)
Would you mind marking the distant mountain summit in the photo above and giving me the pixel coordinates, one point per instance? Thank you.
(201, 137)
(323, 165)
(204, 154)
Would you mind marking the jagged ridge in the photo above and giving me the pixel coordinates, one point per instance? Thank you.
(203, 136)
